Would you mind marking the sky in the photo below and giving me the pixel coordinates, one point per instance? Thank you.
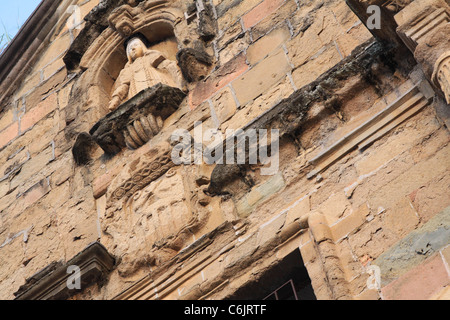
(13, 13)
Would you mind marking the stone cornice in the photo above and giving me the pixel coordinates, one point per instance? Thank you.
(94, 263)
(291, 113)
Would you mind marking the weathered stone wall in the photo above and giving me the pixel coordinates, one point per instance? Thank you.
(47, 209)
(383, 205)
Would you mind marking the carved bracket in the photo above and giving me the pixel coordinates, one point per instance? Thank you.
(194, 64)
(133, 124)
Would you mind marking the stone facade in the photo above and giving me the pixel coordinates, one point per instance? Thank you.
(358, 208)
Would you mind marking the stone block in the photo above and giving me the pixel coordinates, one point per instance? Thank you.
(345, 16)
(309, 252)
(267, 44)
(77, 222)
(420, 283)
(224, 105)
(319, 227)
(368, 295)
(414, 248)
(31, 117)
(260, 105)
(52, 68)
(35, 193)
(445, 252)
(349, 40)
(299, 209)
(32, 167)
(260, 12)
(13, 163)
(328, 28)
(6, 118)
(401, 219)
(350, 223)
(303, 47)
(335, 207)
(444, 294)
(234, 48)
(371, 240)
(45, 88)
(275, 19)
(261, 77)
(268, 231)
(218, 80)
(229, 35)
(9, 134)
(319, 63)
(259, 194)
(410, 180)
(54, 51)
(29, 84)
(43, 133)
(230, 11)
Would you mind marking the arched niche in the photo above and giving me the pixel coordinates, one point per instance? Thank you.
(106, 56)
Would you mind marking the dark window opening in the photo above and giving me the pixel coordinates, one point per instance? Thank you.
(288, 280)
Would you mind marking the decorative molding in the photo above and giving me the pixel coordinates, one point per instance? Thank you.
(157, 288)
(192, 260)
(441, 74)
(423, 27)
(126, 19)
(94, 263)
(413, 34)
(151, 171)
(376, 127)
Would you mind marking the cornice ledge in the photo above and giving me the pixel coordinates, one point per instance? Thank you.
(94, 263)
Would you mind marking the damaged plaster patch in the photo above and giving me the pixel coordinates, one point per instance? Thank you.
(415, 248)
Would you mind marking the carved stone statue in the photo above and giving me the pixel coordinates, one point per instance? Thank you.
(144, 69)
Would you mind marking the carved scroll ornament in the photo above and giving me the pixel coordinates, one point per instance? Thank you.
(441, 75)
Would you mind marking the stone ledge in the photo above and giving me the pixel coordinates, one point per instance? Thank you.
(51, 283)
(292, 113)
(129, 125)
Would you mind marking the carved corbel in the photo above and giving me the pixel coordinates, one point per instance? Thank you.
(194, 64)
(136, 121)
(132, 125)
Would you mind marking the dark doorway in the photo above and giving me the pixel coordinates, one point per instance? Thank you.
(288, 280)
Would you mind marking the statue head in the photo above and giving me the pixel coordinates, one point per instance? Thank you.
(135, 48)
